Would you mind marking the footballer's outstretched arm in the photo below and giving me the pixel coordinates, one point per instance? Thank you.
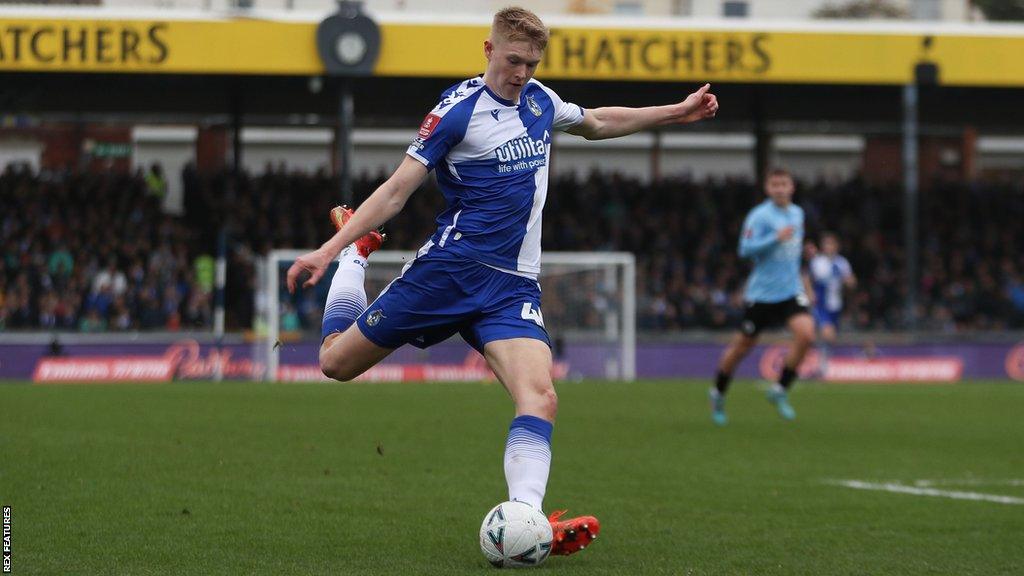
(615, 121)
(385, 202)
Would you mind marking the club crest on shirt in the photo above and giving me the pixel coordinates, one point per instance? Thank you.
(534, 107)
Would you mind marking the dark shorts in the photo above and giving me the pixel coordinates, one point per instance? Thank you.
(763, 315)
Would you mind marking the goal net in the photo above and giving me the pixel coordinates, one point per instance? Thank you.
(587, 298)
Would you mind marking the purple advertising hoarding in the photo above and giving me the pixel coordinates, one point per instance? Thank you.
(453, 360)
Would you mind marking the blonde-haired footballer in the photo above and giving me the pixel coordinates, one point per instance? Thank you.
(488, 139)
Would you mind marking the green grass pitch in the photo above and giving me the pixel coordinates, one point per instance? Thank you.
(242, 478)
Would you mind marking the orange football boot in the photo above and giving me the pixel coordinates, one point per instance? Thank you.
(572, 535)
(365, 245)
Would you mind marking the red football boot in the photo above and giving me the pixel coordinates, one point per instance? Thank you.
(365, 245)
(572, 535)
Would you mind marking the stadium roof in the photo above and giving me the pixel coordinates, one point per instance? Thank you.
(260, 42)
(191, 66)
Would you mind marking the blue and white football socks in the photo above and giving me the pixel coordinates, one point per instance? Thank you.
(346, 299)
(824, 351)
(528, 459)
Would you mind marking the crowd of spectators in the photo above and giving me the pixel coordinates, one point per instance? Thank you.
(91, 251)
(971, 257)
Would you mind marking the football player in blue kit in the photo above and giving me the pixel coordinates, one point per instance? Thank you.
(772, 238)
(488, 140)
(830, 273)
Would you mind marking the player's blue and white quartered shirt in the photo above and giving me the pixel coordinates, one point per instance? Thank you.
(827, 276)
(776, 274)
(491, 159)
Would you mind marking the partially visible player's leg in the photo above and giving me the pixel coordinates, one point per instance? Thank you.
(523, 365)
(510, 333)
(735, 352)
(801, 325)
(826, 340)
(344, 352)
(345, 355)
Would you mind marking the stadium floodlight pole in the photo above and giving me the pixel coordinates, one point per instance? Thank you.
(926, 73)
(220, 279)
(348, 43)
(762, 139)
(346, 117)
(910, 199)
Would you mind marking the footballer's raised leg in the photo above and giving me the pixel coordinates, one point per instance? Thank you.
(344, 351)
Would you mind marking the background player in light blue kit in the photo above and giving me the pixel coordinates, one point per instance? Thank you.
(488, 141)
(772, 238)
(830, 274)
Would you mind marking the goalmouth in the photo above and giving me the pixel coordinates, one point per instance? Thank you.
(588, 300)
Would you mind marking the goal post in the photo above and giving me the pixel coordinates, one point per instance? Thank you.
(588, 300)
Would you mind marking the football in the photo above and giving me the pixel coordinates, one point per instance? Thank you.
(514, 534)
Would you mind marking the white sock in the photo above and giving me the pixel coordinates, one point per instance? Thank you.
(823, 353)
(528, 460)
(346, 299)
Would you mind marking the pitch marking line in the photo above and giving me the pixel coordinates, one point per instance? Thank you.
(968, 482)
(919, 491)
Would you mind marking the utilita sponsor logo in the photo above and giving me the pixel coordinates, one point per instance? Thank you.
(520, 148)
(183, 360)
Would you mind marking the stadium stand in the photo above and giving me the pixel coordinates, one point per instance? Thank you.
(91, 251)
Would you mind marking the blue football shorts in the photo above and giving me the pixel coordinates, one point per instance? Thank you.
(438, 295)
(825, 317)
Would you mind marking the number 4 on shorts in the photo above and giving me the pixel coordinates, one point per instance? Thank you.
(530, 314)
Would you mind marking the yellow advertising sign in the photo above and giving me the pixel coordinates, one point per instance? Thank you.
(172, 46)
(244, 46)
(717, 55)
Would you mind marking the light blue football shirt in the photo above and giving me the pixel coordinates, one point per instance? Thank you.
(776, 274)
